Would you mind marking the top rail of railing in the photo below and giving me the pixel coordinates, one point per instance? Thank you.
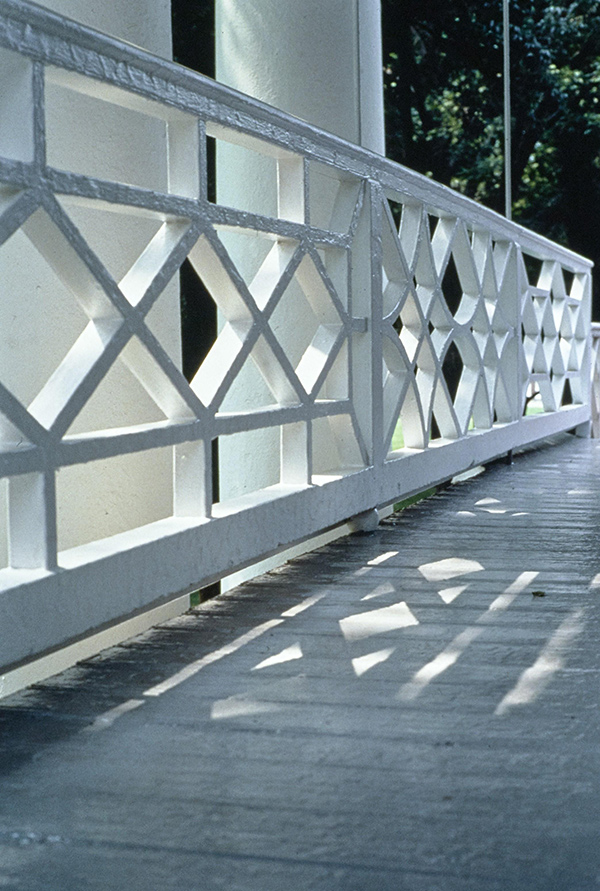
(56, 40)
(377, 334)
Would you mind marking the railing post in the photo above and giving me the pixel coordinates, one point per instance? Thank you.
(32, 537)
(595, 379)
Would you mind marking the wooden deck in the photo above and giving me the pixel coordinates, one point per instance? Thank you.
(415, 710)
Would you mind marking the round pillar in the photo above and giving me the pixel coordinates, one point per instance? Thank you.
(320, 61)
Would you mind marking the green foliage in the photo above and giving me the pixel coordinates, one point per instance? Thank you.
(414, 499)
(444, 106)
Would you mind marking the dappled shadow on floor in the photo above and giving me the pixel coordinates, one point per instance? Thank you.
(412, 709)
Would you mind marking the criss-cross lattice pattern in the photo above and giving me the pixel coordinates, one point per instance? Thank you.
(364, 315)
(470, 331)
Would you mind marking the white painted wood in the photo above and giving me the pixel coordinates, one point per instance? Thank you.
(595, 384)
(51, 115)
(379, 321)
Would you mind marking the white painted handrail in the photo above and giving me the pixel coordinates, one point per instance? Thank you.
(440, 334)
(595, 386)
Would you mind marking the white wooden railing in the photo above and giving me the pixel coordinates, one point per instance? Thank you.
(595, 388)
(405, 286)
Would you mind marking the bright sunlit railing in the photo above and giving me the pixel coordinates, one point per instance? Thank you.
(377, 333)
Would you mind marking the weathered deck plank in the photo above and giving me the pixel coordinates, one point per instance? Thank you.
(443, 742)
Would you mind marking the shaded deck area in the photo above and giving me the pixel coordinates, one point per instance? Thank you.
(416, 709)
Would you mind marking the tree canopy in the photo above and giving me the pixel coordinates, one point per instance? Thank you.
(444, 106)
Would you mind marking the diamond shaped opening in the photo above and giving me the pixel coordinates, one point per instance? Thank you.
(85, 123)
(16, 106)
(333, 198)
(117, 499)
(219, 316)
(183, 319)
(451, 286)
(452, 369)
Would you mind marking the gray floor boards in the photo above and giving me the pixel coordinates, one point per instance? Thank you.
(359, 720)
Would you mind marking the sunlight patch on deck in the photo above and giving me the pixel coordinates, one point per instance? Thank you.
(437, 666)
(450, 568)
(196, 666)
(382, 558)
(304, 604)
(239, 707)
(362, 664)
(377, 621)
(447, 658)
(551, 659)
(287, 655)
(450, 594)
(379, 591)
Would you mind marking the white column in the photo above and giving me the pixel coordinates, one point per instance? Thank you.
(146, 23)
(322, 62)
(40, 319)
